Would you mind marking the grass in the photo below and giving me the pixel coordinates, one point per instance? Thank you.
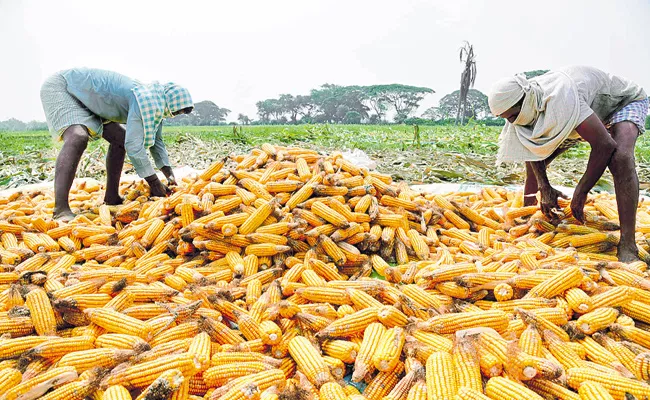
(436, 154)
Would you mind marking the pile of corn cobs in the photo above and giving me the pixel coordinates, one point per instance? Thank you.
(288, 274)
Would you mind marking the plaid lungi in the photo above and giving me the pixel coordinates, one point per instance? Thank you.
(634, 112)
(63, 110)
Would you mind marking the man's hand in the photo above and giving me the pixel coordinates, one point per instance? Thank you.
(169, 174)
(548, 201)
(578, 204)
(156, 187)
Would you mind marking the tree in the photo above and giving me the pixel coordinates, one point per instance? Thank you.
(12, 124)
(306, 107)
(434, 114)
(204, 113)
(207, 113)
(243, 119)
(467, 78)
(352, 117)
(403, 98)
(290, 106)
(377, 102)
(476, 106)
(269, 108)
(334, 101)
(263, 110)
(534, 73)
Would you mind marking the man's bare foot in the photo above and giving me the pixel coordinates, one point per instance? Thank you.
(113, 200)
(628, 254)
(65, 215)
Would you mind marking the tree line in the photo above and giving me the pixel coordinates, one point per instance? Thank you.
(344, 104)
(374, 104)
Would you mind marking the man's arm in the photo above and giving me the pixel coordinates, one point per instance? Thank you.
(134, 145)
(548, 195)
(161, 158)
(531, 186)
(602, 148)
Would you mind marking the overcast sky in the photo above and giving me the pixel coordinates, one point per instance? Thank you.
(237, 52)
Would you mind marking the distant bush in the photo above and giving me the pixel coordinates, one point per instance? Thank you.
(14, 125)
(452, 121)
(647, 122)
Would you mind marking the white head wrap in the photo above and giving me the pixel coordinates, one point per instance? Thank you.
(504, 94)
(548, 115)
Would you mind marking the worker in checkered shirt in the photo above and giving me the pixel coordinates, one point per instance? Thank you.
(548, 114)
(83, 104)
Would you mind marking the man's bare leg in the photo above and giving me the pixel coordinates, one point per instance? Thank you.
(626, 185)
(75, 140)
(114, 134)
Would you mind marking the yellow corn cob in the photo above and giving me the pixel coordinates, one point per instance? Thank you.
(465, 393)
(507, 389)
(642, 365)
(328, 214)
(332, 250)
(419, 391)
(38, 385)
(624, 355)
(466, 364)
(441, 376)
(270, 333)
(116, 392)
(83, 360)
(390, 348)
(383, 382)
(77, 390)
(613, 297)
(503, 292)
(116, 322)
(266, 249)
(350, 324)
(550, 389)
(450, 323)
(593, 391)
(41, 312)
(9, 377)
(596, 320)
(143, 374)
(201, 348)
(220, 374)
(58, 347)
(332, 391)
(228, 358)
(309, 361)
(558, 283)
(257, 218)
(617, 386)
(578, 300)
(340, 349)
(392, 317)
(212, 170)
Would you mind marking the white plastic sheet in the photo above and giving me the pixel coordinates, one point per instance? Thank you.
(360, 159)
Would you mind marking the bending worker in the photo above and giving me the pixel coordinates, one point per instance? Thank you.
(85, 104)
(548, 114)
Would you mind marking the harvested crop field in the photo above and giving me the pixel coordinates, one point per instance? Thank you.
(442, 153)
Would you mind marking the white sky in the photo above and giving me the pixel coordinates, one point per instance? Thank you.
(237, 52)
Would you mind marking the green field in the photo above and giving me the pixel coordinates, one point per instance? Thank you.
(437, 154)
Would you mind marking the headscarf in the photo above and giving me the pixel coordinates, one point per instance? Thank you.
(157, 102)
(549, 114)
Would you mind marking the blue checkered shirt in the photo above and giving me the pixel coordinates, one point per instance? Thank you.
(109, 95)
